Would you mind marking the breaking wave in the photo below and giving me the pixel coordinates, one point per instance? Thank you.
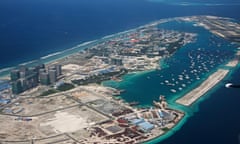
(186, 3)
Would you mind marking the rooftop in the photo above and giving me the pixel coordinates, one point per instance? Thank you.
(146, 126)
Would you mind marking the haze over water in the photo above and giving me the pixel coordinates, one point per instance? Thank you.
(33, 29)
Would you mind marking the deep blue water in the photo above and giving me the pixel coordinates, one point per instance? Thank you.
(32, 29)
(212, 114)
(216, 122)
(213, 119)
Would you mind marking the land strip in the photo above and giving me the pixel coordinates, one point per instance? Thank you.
(89, 113)
(235, 61)
(208, 84)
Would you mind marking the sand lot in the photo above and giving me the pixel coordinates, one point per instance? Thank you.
(65, 122)
(37, 105)
(84, 96)
(71, 120)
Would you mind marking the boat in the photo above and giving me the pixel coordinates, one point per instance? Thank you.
(183, 85)
(134, 103)
(171, 84)
(122, 90)
(173, 90)
(228, 85)
(231, 85)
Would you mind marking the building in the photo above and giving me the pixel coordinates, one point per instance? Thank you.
(5, 101)
(4, 85)
(146, 126)
(25, 78)
(116, 61)
(31, 81)
(41, 71)
(142, 125)
(23, 68)
(15, 74)
(137, 121)
(52, 76)
(23, 71)
(44, 78)
(17, 87)
(166, 115)
(40, 66)
(58, 70)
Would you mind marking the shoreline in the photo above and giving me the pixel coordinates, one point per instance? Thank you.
(176, 125)
(212, 80)
(157, 125)
(186, 100)
(58, 55)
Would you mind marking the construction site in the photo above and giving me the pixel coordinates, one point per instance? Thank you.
(87, 114)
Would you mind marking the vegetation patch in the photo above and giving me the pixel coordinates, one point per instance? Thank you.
(48, 92)
(165, 129)
(65, 87)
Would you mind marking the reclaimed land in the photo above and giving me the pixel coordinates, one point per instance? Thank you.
(208, 84)
(89, 113)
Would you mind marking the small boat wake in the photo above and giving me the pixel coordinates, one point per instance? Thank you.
(231, 85)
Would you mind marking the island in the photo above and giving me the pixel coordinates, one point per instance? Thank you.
(63, 101)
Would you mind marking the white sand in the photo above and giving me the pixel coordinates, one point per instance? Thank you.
(71, 67)
(234, 62)
(65, 122)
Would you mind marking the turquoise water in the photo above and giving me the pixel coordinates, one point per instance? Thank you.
(32, 29)
(182, 72)
(186, 69)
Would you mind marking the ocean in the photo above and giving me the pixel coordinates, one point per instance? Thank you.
(215, 122)
(31, 30)
(183, 71)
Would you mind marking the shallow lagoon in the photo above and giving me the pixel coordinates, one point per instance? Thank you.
(183, 71)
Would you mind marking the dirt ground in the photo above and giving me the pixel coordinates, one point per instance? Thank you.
(40, 105)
